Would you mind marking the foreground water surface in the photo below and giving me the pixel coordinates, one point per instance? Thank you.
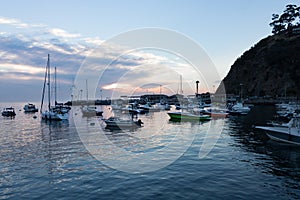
(49, 160)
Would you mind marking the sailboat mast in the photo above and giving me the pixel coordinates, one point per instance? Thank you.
(48, 66)
(181, 91)
(55, 100)
(44, 88)
(87, 93)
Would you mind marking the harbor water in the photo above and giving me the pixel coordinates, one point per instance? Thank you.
(43, 160)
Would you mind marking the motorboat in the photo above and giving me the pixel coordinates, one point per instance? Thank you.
(89, 111)
(239, 109)
(216, 112)
(30, 108)
(63, 108)
(116, 122)
(188, 116)
(8, 112)
(133, 109)
(55, 115)
(289, 134)
(149, 108)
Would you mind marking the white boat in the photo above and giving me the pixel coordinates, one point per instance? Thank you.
(289, 134)
(149, 108)
(52, 113)
(115, 122)
(89, 111)
(133, 109)
(216, 112)
(30, 108)
(239, 109)
(163, 106)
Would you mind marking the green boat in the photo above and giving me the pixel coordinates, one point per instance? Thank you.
(188, 116)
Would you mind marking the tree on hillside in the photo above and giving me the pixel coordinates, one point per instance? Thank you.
(287, 20)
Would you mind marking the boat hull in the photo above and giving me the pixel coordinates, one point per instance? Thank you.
(55, 116)
(8, 114)
(187, 116)
(119, 124)
(283, 134)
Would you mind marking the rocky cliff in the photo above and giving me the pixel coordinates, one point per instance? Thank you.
(269, 68)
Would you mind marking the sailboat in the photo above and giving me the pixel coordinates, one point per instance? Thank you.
(52, 113)
(90, 110)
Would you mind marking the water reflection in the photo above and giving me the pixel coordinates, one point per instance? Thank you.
(279, 159)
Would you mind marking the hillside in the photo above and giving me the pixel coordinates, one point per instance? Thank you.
(271, 67)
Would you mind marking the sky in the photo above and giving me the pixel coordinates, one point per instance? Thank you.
(74, 31)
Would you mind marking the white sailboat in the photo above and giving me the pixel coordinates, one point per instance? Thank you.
(52, 113)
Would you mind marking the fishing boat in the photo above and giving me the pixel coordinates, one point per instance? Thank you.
(115, 122)
(30, 108)
(188, 116)
(289, 134)
(52, 113)
(8, 112)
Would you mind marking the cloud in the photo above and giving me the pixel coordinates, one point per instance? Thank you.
(23, 56)
(17, 23)
(62, 33)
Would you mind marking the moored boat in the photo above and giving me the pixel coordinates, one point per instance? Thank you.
(30, 108)
(289, 134)
(216, 112)
(115, 122)
(89, 111)
(239, 109)
(188, 116)
(8, 112)
(53, 113)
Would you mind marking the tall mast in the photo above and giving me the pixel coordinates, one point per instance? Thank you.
(87, 93)
(181, 91)
(55, 100)
(48, 66)
(44, 87)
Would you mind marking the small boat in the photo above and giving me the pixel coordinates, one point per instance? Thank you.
(30, 108)
(63, 108)
(149, 108)
(89, 111)
(289, 134)
(188, 116)
(239, 109)
(115, 122)
(8, 112)
(133, 109)
(55, 115)
(216, 112)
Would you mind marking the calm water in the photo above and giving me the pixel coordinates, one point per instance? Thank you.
(49, 161)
